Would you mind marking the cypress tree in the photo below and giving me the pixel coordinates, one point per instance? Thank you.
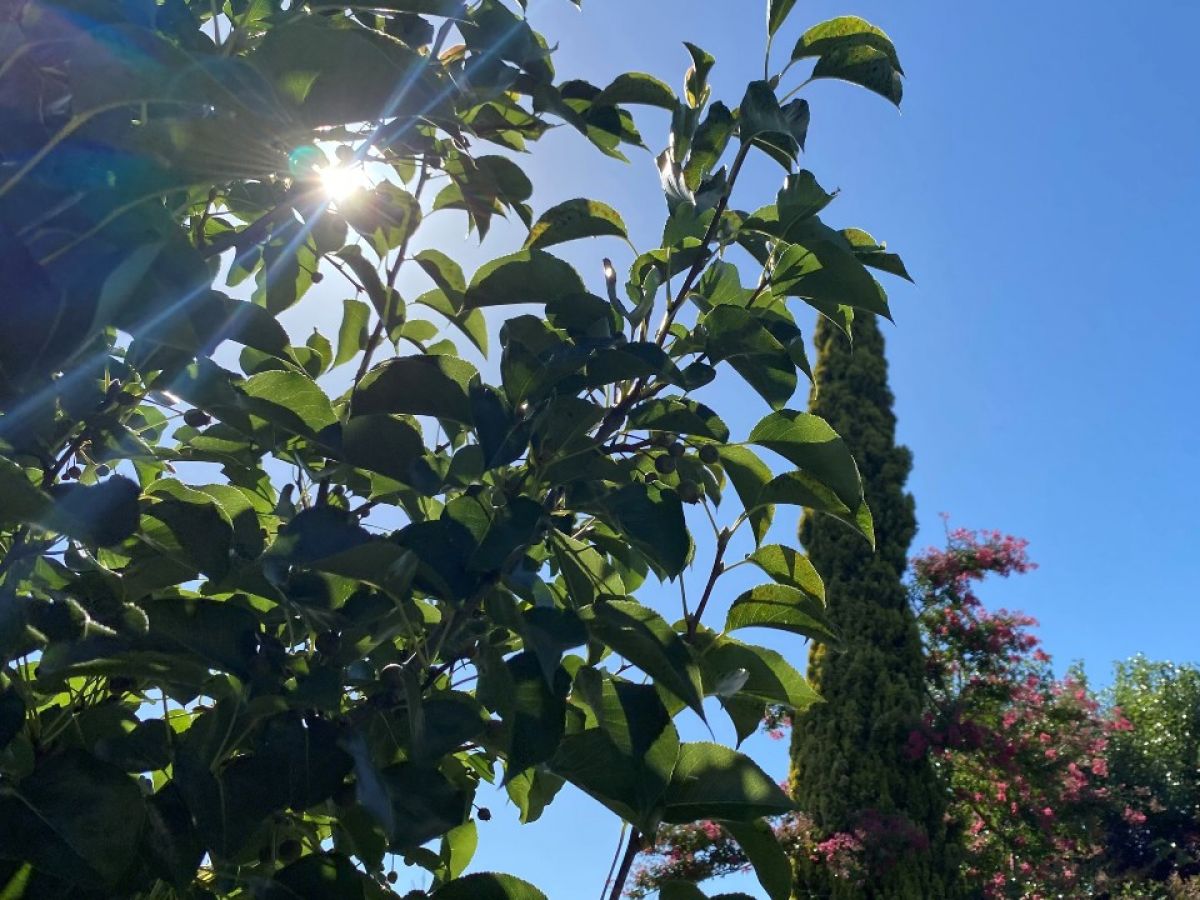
(850, 769)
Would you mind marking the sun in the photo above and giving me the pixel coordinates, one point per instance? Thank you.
(339, 181)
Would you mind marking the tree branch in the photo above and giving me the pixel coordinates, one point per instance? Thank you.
(718, 568)
(673, 306)
(631, 850)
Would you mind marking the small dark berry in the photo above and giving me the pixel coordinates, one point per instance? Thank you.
(196, 418)
(393, 877)
(344, 154)
(665, 465)
(73, 472)
(484, 814)
(709, 454)
(676, 450)
(662, 439)
(317, 277)
(102, 471)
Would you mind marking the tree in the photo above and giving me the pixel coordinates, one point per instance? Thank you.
(1023, 754)
(261, 628)
(849, 768)
(1154, 825)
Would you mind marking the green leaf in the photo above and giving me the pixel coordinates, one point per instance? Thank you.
(446, 274)
(809, 443)
(749, 475)
(585, 571)
(488, 886)
(101, 514)
(800, 198)
(777, 12)
(290, 401)
(771, 864)
(708, 144)
(323, 875)
(639, 728)
(532, 790)
(842, 33)
(23, 502)
(714, 782)
(864, 66)
(781, 607)
(365, 271)
(574, 219)
(638, 88)
(801, 489)
(872, 254)
(194, 527)
(536, 712)
(821, 267)
(776, 132)
(696, 80)
(788, 566)
(644, 638)
(736, 335)
(652, 520)
(388, 445)
(677, 414)
(529, 276)
(770, 678)
(419, 385)
(75, 817)
(457, 849)
(386, 215)
(470, 322)
(352, 335)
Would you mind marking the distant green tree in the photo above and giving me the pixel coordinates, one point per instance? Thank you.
(1156, 833)
(850, 770)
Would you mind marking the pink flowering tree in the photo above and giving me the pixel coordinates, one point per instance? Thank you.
(1023, 755)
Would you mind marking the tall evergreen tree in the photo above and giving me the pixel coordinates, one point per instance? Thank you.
(850, 767)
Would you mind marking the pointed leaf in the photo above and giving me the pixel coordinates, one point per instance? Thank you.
(781, 607)
(791, 567)
(419, 385)
(575, 219)
(529, 276)
(864, 66)
(771, 864)
(841, 33)
(809, 443)
(777, 12)
(638, 88)
(749, 475)
(714, 782)
(488, 886)
(644, 638)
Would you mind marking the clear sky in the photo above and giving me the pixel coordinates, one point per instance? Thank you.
(1040, 183)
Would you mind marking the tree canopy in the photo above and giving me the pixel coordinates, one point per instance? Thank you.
(261, 627)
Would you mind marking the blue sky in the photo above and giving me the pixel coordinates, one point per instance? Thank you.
(1039, 183)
